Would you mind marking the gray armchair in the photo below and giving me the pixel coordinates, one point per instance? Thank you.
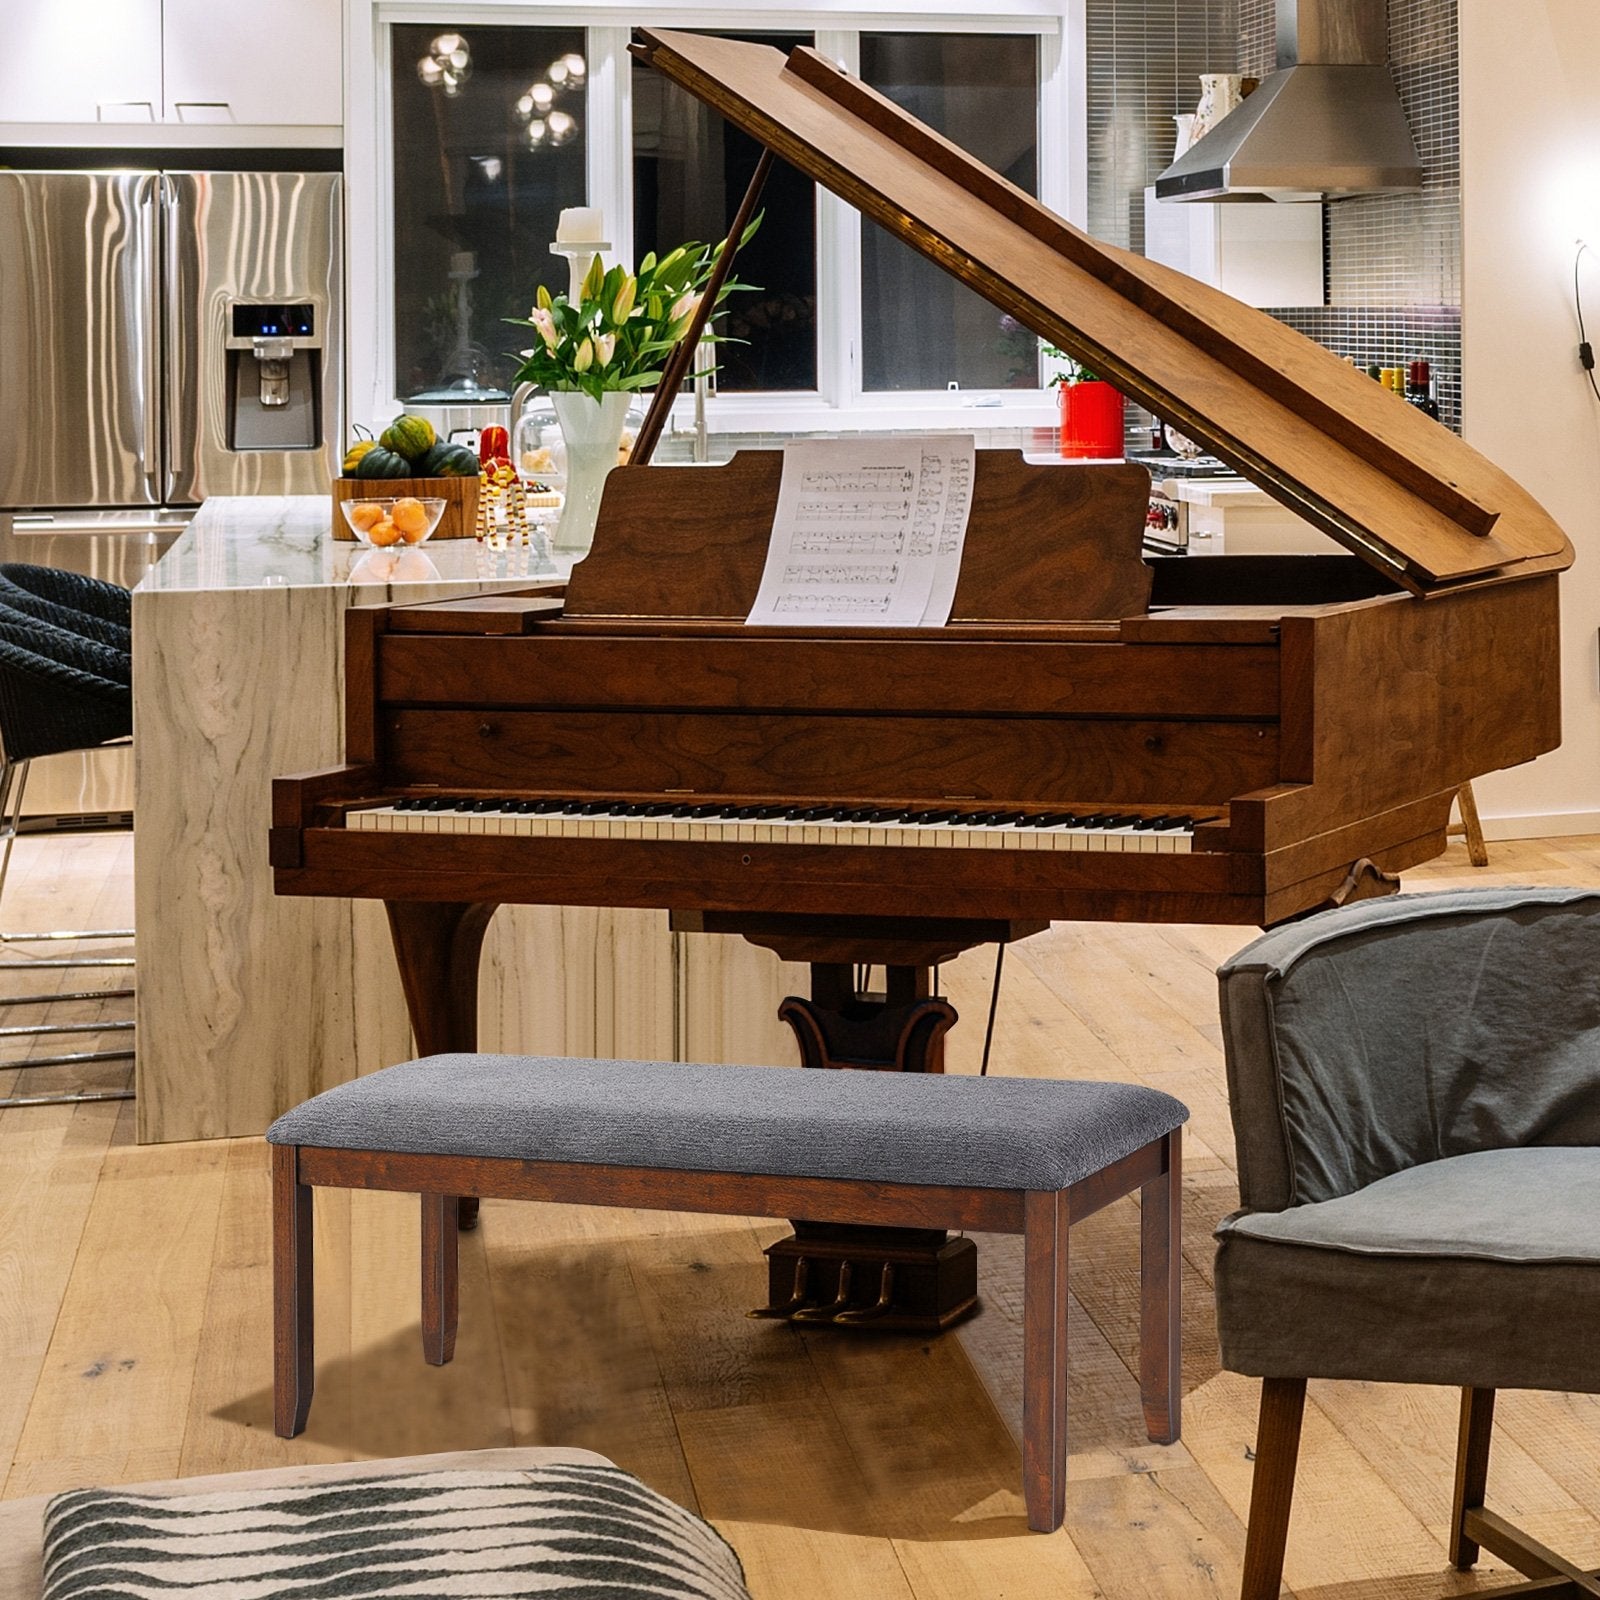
(1415, 1085)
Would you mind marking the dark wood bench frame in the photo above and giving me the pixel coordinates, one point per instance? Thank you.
(1042, 1217)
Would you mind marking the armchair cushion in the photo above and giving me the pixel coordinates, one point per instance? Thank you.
(1480, 1270)
(1403, 1031)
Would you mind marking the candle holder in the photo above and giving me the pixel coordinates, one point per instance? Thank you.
(579, 253)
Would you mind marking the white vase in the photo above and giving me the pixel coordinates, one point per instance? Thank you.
(1185, 124)
(592, 430)
(1220, 94)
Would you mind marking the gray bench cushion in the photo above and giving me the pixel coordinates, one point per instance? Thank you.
(995, 1133)
(1479, 1270)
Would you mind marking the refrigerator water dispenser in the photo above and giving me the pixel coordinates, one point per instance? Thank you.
(274, 377)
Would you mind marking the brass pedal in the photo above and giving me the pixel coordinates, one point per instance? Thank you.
(883, 1306)
(833, 1311)
(796, 1301)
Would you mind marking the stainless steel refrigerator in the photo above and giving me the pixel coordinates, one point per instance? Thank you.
(164, 337)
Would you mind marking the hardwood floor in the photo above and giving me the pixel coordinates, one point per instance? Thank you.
(134, 1326)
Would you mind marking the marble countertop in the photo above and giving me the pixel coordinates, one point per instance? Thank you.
(285, 541)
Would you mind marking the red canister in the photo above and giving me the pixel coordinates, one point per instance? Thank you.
(1091, 420)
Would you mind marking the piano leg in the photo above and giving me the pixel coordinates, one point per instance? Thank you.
(436, 946)
(829, 1273)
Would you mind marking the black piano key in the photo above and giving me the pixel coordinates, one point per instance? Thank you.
(407, 803)
(543, 808)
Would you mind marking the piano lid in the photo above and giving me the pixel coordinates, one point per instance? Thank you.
(1389, 483)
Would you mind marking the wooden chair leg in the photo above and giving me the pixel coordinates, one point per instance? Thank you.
(1470, 827)
(1472, 1471)
(1283, 1402)
(1161, 1297)
(440, 1277)
(293, 1328)
(1044, 1359)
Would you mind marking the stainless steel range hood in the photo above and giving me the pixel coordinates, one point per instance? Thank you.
(1328, 123)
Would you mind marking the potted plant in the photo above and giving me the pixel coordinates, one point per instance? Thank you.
(1091, 412)
(593, 354)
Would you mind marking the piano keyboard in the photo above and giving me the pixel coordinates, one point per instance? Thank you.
(775, 824)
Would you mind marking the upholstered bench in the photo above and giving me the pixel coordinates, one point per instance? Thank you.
(1003, 1155)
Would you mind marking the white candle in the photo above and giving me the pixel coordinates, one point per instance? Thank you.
(580, 225)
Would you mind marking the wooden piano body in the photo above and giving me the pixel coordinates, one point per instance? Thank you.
(1310, 717)
(1326, 721)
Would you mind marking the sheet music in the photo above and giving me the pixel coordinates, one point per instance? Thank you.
(948, 459)
(867, 533)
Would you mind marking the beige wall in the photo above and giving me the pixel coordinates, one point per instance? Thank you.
(1530, 152)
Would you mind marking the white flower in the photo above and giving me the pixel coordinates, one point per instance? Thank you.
(605, 345)
(546, 326)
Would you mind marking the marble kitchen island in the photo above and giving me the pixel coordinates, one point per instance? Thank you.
(248, 1003)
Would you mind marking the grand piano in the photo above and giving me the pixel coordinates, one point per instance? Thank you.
(1091, 736)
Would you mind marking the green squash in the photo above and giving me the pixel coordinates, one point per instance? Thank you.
(411, 437)
(382, 462)
(449, 461)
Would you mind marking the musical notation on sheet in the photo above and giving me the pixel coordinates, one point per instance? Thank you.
(867, 531)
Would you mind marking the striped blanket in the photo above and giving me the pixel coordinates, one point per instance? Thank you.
(581, 1532)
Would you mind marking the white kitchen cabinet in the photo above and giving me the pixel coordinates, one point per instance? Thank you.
(1265, 255)
(81, 61)
(172, 63)
(276, 63)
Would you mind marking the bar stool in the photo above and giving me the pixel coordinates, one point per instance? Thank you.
(60, 690)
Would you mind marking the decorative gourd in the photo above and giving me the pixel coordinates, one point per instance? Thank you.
(381, 462)
(448, 461)
(353, 456)
(411, 437)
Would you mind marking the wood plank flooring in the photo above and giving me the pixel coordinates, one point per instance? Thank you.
(134, 1338)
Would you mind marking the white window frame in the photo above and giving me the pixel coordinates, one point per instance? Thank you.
(838, 401)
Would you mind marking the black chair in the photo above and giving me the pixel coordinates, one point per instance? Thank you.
(61, 690)
(106, 602)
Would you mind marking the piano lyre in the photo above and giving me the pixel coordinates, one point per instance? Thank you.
(1092, 736)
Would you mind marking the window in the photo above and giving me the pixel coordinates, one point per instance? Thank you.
(921, 328)
(489, 140)
(690, 170)
(844, 320)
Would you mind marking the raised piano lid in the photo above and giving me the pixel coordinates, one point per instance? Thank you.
(1377, 475)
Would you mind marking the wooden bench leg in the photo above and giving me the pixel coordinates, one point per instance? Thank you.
(440, 1278)
(1161, 1296)
(1283, 1403)
(1044, 1359)
(293, 1332)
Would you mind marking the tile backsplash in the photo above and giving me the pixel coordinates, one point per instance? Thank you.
(1392, 262)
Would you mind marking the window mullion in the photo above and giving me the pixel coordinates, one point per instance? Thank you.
(610, 136)
(838, 263)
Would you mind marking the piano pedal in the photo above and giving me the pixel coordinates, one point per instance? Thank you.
(797, 1299)
(837, 1308)
(882, 1307)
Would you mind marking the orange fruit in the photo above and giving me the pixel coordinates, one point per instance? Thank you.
(363, 514)
(410, 517)
(384, 533)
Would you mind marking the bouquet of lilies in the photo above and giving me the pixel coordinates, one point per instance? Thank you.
(622, 324)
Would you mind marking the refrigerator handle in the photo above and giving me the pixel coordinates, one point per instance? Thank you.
(155, 442)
